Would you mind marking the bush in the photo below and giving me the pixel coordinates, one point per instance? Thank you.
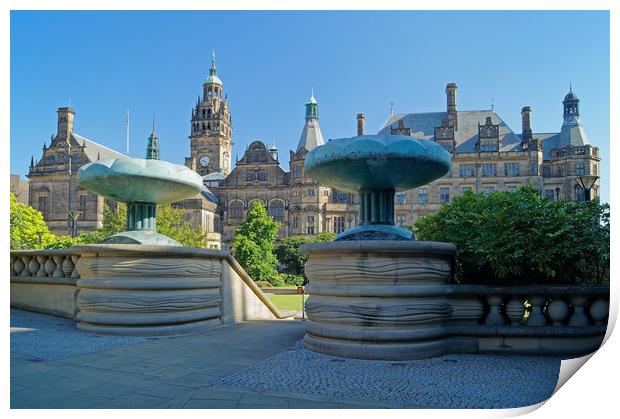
(295, 280)
(288, 253)
(520, 237)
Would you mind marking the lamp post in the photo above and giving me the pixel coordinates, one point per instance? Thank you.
(557, 193)
(477, 165)
(586, 182)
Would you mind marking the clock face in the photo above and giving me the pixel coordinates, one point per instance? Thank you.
(204, 161)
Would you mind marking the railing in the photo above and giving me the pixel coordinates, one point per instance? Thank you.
(533, 306)
(54, 264)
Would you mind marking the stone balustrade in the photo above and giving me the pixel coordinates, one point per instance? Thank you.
(52, 264)
(138, 289)
(394, 300)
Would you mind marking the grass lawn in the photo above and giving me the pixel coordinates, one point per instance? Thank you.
(287, 302)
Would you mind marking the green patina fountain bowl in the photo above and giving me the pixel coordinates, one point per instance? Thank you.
(375, 166)
(139, 180)
(142, 184)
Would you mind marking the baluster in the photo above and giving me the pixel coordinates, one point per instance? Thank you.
(599, 311)
(536, 318)
(50, 266)
(41, 259)
(13, 260)
(557, 310)
(58, 273)
(74, 259)
(494, 317)
(26, 261)
(33, 265)
(19, 266)
(68, 267)
(515, 310)
(579, 318)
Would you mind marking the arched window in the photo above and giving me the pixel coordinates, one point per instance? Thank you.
(276, 210)
(235, 210)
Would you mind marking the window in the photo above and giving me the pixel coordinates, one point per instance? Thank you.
(262, 175)
(340, 197)
(423, 196)
(466, 189)
(42, 206)
(580, 194)
(310, 192)
(580, 169)
(550, 194)
(310, 224)
(546, 171)
(511, 188)
(83, 201)
(488, 145)
(595, 169)
(467, 170)
(401, 220)
(489, 190)
(511, 169)
(444, 195)
(249, 176)
(401, 198)
(489, 169)
(276, 210)
(295, 222)
(326, 192)
(235, 210)
(338, 225)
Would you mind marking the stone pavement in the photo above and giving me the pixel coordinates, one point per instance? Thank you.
(258, 364)
(173, 372)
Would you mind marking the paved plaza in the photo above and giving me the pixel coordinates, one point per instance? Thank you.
(258, 364)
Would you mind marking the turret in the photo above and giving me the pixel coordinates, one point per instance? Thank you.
(65, 123)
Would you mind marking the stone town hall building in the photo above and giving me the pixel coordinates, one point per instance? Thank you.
(487, 156)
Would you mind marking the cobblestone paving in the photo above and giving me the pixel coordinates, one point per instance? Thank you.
(50, 338)
(452, 381)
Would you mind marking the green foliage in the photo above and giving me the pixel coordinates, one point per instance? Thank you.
(170, 222)
(288, 253)
(26, 225)
(253, 244)
(521, 237)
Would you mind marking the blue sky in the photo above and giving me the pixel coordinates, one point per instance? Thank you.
(155, 62)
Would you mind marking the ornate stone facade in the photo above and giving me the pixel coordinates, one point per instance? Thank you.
(53, 188)
(488, 156)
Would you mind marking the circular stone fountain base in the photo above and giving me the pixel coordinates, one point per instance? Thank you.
(377, 299)
(141, 237)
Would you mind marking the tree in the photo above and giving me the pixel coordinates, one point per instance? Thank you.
(522, 237)
(253, 244)
(28, 228)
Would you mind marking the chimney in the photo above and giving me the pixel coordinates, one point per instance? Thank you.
(451, 105)
(65, 123)
(526, 122)
(361, 122)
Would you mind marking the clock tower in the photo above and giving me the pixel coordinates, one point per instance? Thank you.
(211, 129)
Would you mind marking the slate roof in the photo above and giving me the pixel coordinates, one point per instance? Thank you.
(93, 149)
(213, 177)
(423, 125)
(311, 135)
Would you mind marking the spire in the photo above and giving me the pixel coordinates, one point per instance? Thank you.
(44, 145)
(311, 135)
(152, 149)
(31, 161)
(213, 78)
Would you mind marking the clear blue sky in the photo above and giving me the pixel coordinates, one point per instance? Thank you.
(155, 62)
